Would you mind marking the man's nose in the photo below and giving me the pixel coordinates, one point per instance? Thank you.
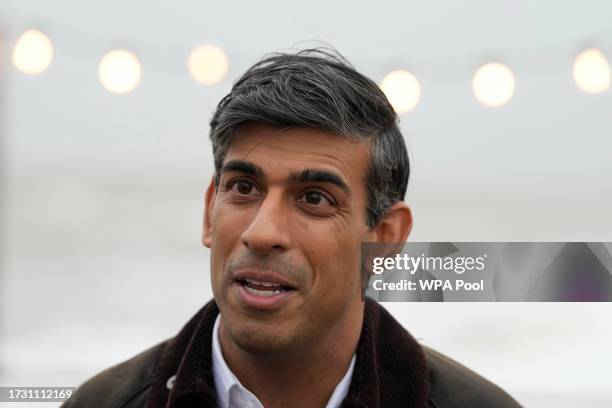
(269, 229)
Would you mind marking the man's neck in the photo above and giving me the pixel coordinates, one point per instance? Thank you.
(305, 379)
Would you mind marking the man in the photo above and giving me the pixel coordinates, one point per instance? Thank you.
(309, 163)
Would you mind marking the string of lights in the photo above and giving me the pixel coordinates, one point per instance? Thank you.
(120, 70)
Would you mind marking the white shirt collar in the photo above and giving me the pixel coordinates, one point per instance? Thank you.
(232, 394)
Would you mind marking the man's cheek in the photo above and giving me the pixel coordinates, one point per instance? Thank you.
(226, 229)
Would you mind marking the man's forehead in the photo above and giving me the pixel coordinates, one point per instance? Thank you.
(301, 147)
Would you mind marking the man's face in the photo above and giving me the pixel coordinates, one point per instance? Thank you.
(285, 227)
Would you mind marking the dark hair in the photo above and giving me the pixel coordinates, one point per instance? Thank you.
(318, 88)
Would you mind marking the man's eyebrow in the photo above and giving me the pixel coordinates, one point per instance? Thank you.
(243, 167)
(320, 176)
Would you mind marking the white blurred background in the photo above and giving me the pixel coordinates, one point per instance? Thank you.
(102, 191)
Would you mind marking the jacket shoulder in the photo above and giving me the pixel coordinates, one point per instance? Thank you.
(126, 384)
(454, 385)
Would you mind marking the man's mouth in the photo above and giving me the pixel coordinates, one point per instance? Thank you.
(261, 288)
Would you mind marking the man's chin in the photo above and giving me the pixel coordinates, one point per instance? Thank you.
(263, 337)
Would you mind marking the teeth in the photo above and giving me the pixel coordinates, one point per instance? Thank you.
(266, 293)
(266, 284)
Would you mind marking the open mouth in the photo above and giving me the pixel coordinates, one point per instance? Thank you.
(265, 289)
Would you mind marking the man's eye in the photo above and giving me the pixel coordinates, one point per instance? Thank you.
(315, 198)
(243, 187)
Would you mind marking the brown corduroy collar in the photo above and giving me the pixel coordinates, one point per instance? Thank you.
(390, 369)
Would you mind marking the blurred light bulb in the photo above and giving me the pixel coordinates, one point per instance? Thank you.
(402, 89)
(493, 84)
(33, 52)
(120, 71)
(207, 64)
(591, 71)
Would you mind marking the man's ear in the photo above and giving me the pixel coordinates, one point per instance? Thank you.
(393, 229)
(396, 225)
(209, 202)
